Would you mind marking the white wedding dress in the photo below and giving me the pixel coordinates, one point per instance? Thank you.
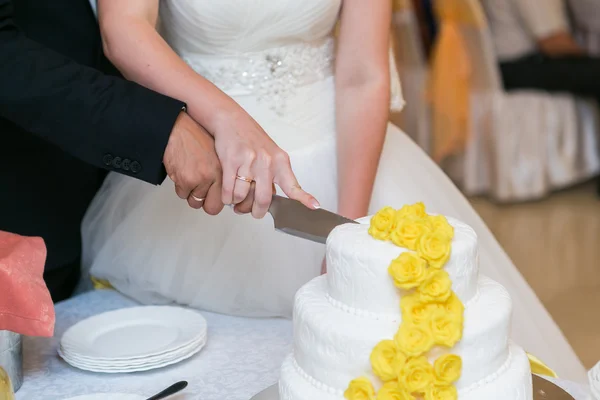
(275, 58)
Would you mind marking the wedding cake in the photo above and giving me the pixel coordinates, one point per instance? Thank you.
(404, 314)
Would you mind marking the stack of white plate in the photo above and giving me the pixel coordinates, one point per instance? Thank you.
(134, 339)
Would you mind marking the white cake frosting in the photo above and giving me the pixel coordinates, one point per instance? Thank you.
(357, 269)
(339, 318)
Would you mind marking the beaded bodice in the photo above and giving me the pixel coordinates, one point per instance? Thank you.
(258, 47)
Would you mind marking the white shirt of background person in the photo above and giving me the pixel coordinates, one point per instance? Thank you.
(517, 25)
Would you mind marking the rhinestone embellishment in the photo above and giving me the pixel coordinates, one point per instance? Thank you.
(272, 75)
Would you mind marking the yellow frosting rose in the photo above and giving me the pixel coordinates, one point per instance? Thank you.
(408, 231)
(413, 340)
(382, 223)
(408, 270)
(392, 391)
(416, 376)
(414, 210)
(434, 246)
(414, 310)
(436, 288)
(360, 389)
(441, 393)
(439, 223)
(386, 360)
(447, 369)
(454, 306)
(446, 329)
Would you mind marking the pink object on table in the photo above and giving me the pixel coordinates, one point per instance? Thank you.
(25, 303)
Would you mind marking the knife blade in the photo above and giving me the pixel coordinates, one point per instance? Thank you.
(546, 390)
(294, 218)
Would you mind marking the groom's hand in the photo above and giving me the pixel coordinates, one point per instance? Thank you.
(192, 164)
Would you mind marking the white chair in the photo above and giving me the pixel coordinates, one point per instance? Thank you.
(520, 145)
(412, 67)
(586, 24)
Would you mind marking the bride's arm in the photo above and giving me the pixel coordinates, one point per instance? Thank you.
(362, 100)
(132, 43)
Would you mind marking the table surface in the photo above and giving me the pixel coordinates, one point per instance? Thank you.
(242, 357)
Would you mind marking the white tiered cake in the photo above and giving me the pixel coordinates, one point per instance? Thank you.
(341, 317)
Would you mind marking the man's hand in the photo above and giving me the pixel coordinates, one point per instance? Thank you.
(245, 207)
(192, 163)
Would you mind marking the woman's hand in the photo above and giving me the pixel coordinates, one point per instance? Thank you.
(249, 156)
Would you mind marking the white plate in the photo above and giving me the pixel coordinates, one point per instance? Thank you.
(108, 396)
(272, 393)
(134, 361)
(127, 370)
(130, 333)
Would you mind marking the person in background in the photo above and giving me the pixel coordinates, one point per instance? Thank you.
(536, 48)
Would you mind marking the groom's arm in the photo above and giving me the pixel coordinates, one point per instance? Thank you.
(100, 119)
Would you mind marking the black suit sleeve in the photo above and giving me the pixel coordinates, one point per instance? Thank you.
(103, 120)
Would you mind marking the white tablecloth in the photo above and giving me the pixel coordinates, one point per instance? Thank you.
(242, 357)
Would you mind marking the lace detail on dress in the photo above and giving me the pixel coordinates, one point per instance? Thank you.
(272, 75)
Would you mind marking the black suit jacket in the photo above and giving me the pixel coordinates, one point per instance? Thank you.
(63, 123)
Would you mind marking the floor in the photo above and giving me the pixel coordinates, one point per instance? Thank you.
(556, 245)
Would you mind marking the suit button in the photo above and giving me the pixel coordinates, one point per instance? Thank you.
(126, 164)
(107, 160)
(117, 162)
(135, 167)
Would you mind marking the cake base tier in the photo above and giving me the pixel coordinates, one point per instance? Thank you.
(512, 381)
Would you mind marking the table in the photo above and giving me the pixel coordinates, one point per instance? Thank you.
(242, 358)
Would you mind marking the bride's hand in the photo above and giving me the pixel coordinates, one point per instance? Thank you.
(245, 207)
(324, 266)
(249, 155)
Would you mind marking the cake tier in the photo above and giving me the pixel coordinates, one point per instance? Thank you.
(333, 345)
(511, 381)
(357, 267)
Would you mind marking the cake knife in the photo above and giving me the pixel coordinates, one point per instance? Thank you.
(546, 390)
(294, 218)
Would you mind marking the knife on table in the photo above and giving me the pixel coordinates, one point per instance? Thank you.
(546, 390)
(294, 218)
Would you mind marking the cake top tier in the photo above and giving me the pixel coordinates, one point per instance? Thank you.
(357, 265)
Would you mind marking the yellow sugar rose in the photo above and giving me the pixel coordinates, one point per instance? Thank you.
(439, 223)
(416, 376)
(415, 311)
(434, 246)
(454, 306)
(408, 231)
(441, 393)
(408, 270)
(386, 360)
(413, 340)
(447, 369)
(414, 210)
(446, 329)
(436, 288)
(382, 223)
(360, 389)
(392, 391)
